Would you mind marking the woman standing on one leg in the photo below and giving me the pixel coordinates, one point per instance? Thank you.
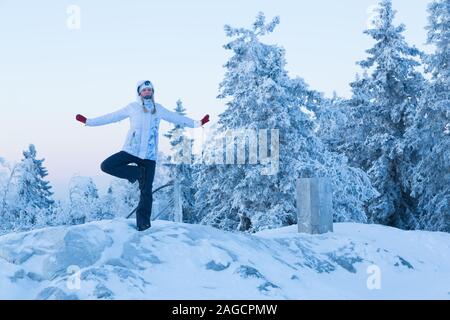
(141, 144)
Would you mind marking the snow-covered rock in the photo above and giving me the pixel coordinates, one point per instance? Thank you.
(111, 260)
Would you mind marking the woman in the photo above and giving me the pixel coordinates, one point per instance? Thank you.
(141, 144)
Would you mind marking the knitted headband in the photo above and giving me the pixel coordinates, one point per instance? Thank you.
(145, 84)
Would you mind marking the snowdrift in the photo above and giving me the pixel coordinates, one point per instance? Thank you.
(111, 260)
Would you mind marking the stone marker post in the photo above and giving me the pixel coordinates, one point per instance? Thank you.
(314, 205)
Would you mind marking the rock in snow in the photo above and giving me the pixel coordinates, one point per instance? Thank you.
(110, 260)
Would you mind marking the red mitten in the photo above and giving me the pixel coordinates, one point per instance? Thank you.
(205, 119)
(81, 118)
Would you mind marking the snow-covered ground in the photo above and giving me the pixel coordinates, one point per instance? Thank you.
(110, 260)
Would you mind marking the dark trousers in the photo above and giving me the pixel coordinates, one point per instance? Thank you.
(118, 166)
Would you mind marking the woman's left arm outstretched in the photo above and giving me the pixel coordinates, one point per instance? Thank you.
(181, 120)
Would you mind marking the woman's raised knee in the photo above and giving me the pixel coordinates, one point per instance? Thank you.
(104, 166)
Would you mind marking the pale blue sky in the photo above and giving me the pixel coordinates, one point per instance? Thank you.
(49, 73)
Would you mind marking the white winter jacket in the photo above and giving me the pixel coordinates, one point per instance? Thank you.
(142, 137)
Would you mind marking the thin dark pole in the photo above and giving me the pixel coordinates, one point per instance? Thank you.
(153, 191)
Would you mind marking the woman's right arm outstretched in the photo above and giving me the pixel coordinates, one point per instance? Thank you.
(105, 119)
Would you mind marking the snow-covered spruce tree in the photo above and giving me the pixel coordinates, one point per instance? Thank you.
(262, 96)
(180, 167)
(33, 203)
(331, 117)
(3, 172)
(382, 108)
(6, 173)
(428, 140)
(107, 204)
(83, 204)
(341, 123)
(209, 180)
(352, 189)
(121, 197)
(163, 198)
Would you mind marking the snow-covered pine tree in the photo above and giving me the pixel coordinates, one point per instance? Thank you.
(331, 118)
(163, 198)
(179, 165)
(107, 204)
(428, 140)
(209, 180)
(262, 96)
(33, 201)
(6, 173)
(83, 204)
(383, 105)
(121, 197)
